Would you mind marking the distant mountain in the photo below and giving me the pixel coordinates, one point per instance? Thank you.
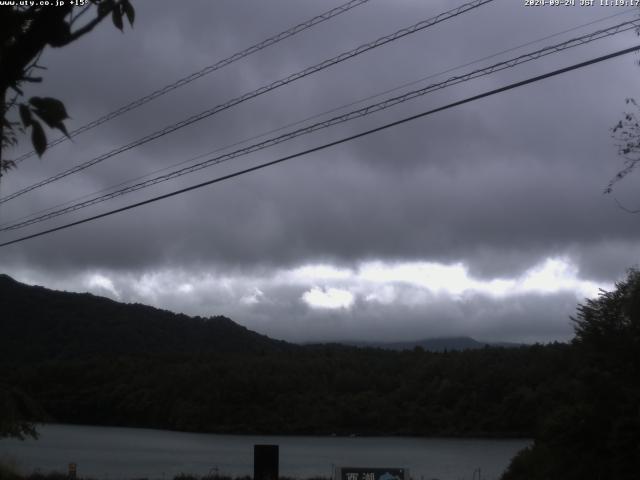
(37, 324)
(90, 360)
(433, 344)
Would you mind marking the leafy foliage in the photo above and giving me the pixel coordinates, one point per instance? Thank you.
(627, 134)
(25, 31)
(595, 432)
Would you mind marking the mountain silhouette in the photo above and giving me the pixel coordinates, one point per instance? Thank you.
(38, 323)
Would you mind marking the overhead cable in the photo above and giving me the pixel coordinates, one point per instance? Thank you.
(316, 115)
(331, 144)
(267, 88)
(364, 111)
(205, 71)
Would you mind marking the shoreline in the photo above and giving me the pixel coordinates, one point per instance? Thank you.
(131, 454)
(470, 436)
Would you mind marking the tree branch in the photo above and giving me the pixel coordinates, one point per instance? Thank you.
(82, 12)
(88, 27)
(622, 207)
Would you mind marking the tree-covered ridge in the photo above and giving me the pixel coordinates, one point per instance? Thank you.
(88, 359)
(41, 324)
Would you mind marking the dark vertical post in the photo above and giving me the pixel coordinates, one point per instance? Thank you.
(73, 468)
(265, 462)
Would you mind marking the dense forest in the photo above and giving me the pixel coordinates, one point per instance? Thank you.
(595, 431)
(316, 390)
(86, 359)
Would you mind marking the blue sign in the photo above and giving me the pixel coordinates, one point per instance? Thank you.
(364, 473)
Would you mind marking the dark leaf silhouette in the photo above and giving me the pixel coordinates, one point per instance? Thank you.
(25, 115)
(116, 16)
(38, 138)
(129, 11)
(51, 111)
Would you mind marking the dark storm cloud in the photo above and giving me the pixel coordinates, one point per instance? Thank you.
(499, 185)
(347, 214)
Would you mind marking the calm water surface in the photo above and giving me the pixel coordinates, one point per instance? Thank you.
(119, 453)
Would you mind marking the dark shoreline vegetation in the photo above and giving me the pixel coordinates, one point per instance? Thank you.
(320, 391)
(88, 360)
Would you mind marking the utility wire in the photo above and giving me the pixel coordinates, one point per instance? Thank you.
(331, 144)
(625, 26)
(267, 88)
(205, 71)
(313, 117)
(317, 115)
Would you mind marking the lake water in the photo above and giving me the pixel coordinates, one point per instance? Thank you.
(119, 453)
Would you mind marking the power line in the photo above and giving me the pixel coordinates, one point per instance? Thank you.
(331, 144)
(599, 34)
(339, 119)
(318, 115)
(205, 71)
(267, 88)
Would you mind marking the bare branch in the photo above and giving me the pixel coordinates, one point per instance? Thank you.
(32, 79)
(84, 10)
(622, 207)
(89, 26)
(627, 134)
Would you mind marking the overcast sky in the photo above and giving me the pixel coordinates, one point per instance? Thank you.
(486, 220)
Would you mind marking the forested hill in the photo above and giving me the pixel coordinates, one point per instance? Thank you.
(87, 359)
(37, 324)
(433, 344)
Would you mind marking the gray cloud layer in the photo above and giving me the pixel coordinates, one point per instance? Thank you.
(499, 185)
